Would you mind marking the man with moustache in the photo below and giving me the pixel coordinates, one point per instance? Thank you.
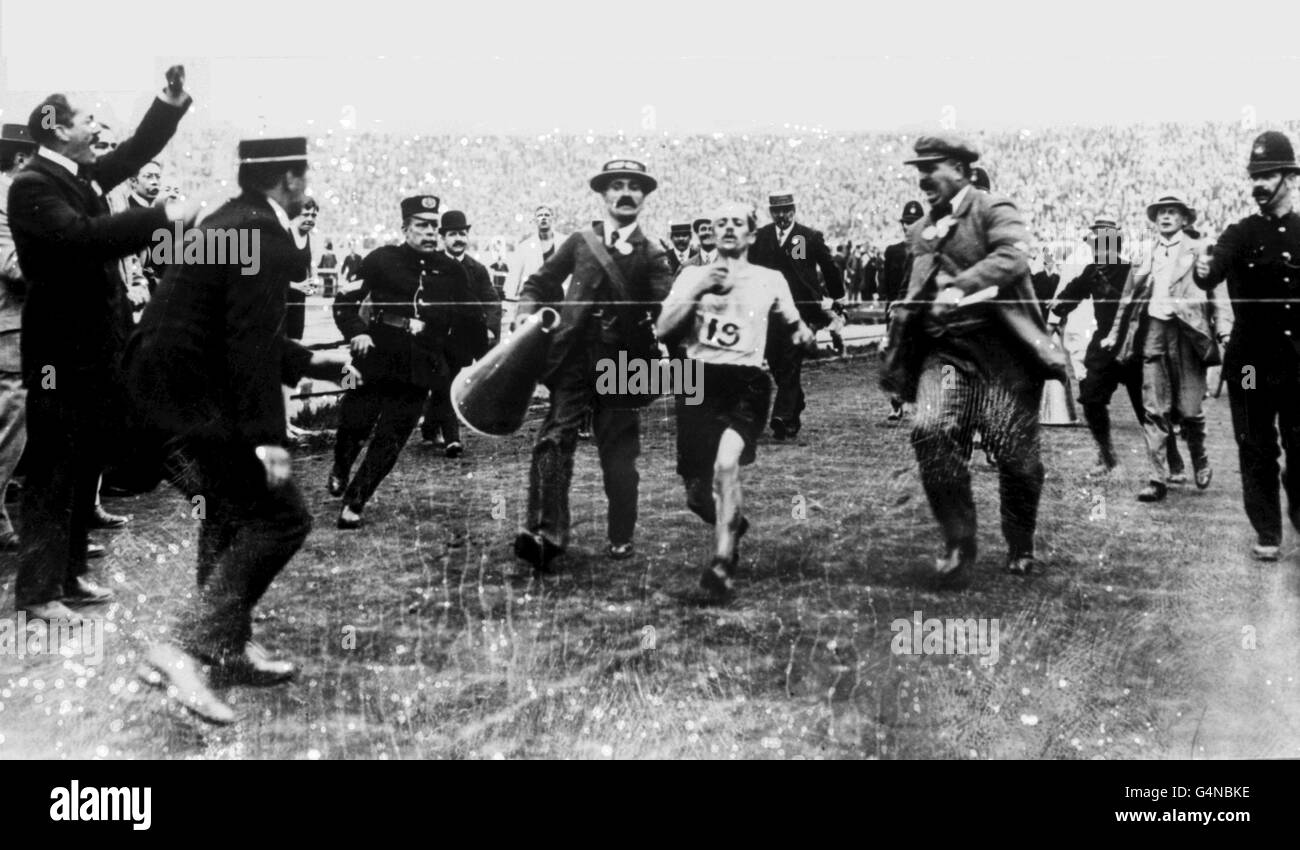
(972, 351)
(439, 415)
(1174, 330)
(680, 237)
(619, 279)
(722, 312)
(206, 367)
(1259, 257)
(798, 252)
(75, 323)
(423, 313)
(708, 253)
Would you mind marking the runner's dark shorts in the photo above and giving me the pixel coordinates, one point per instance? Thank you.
(735, 397)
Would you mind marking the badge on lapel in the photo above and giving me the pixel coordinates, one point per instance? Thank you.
(623, 248)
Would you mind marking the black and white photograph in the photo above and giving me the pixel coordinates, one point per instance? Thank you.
(661, 381)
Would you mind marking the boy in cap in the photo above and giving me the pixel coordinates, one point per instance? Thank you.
(723, 310)
(1259, 257)
(1175, 330)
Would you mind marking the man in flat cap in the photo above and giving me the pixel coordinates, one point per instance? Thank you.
(74, 325)
(439, 415)
(894, 276)
(619, 281)
(1259, 257)
(206, 367)
(682, 252)
(16, 147)
(972, 351)
(424, 314)
(1174, 330)
(798, 252)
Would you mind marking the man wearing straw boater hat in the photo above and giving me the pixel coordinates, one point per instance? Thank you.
(619, 280)
(1173, 329)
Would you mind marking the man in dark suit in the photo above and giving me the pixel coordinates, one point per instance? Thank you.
(439, 415)
(894, 275)
(206, 367)
(797, 252)
(682, 252)
(620, 279)
(972, 351)
(351, 265)
(423, 317)
(74, 325)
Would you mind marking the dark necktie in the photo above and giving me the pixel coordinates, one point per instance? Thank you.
(613, 240)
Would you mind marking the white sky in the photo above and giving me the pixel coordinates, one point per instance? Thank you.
(497, 67)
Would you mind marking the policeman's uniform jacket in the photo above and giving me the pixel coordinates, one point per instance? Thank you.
(403, 284)
(209, 356)
(800, 271)
(987, 246)
(644, 268)
(1259, 257)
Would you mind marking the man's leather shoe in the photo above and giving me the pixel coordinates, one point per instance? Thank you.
(1265, 552)
(1020, 565)
(82, 590)
(349, 519)
(536, 550)
(716, 580)
(103, 519)
(95, 550)
(1203, 477)
(1153, 492)
(169, 667)
(952, 569)
(620, 551)
(254, 666)
(454, 449)
(54, 610)
(335, 485)
(779, 431)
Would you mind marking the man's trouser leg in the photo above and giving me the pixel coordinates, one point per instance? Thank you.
(1157, 394)
(64, 459)
(1095, 391)
(358, 412)
(946, 406)
(438, 411)
(1009, 425)
(399, 411)
(785, 359)
(1188, 396)
(13, 436)
(551, 470)
(1274, 397)
(617, 434)
(266, 527)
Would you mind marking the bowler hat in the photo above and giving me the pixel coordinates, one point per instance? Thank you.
(1171, 199)
(623, 168)
(453, 220)
(936, 148)
(1272, 151)
(421, 205)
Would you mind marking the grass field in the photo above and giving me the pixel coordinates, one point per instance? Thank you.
(1149, 633)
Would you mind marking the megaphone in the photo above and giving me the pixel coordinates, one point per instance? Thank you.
(491, 397)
